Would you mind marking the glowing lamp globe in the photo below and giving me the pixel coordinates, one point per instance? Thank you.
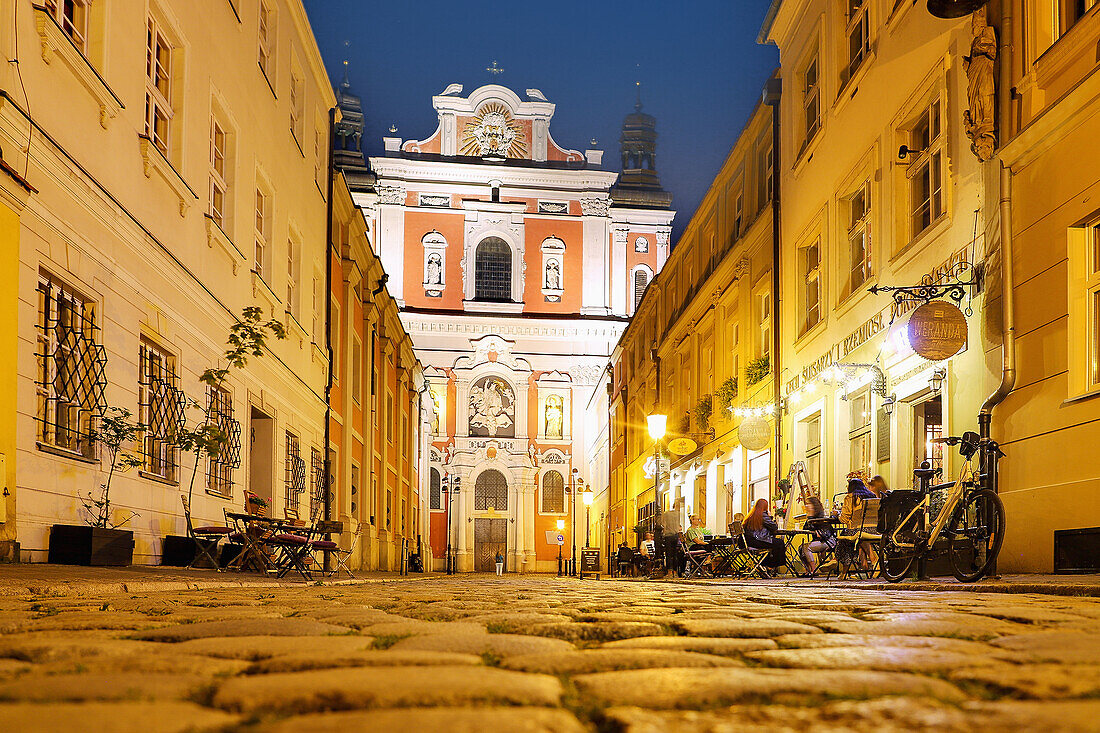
(657, 425)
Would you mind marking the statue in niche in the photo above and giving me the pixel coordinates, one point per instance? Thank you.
(981, 88)
(554, 416)
(553, 275)
(435, 418)
(492, 409)
(435, 269)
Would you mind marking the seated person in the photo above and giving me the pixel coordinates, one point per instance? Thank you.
(878, 486)
(851, 514)
(624, 558)
(760, 531)
(696, 533)
(822, 534)
(647, 553)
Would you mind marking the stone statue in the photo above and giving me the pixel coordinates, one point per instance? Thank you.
(553, 275)
(554, 415)
(981, 88)
(435, 270)
(492, 406)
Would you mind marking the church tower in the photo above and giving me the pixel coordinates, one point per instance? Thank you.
(639, 184)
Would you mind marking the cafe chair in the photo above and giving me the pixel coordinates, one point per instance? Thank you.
(746, 561)
(206, 538)
(624, 559)
(329, 547)
(697, 563)
(864, 537)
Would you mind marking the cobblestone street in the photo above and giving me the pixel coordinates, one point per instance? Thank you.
(479, 653)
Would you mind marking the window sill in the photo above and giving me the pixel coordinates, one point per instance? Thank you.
(808, 335)
(219, 495)
(294, 327)
(850, 300)
(216, 235)
(158, 479)
(481, 306)
(1073, 44)
(154, 160)
(53, 450)
(806, 152)
(915, 245)
(261, 290)
(1083, 397)
(849, 89)
(267, 79)
(56, 41)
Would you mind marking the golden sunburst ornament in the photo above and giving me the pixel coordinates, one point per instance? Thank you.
(494, 133)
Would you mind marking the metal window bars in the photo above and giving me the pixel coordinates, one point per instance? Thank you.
(294, 474)
(163, 407)
(220, 467)
(316, 483)
(71, 376)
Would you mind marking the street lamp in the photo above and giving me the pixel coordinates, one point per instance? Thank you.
(657, 424)
(588, 496)
(561, 526)
(574, 480)
(450, 488)
(935, 382)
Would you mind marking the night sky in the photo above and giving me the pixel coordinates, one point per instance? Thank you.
(700, 67)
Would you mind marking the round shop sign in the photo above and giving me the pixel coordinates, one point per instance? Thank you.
(937, 330)
(755, 433)
(682, 446)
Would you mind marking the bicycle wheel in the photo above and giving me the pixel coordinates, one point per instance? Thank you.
(896, 561)
(976, 533)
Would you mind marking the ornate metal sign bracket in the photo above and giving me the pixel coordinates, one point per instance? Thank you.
(934, 288)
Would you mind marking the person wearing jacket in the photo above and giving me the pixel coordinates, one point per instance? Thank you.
(822, 535)
(851, 515)
(760, 532)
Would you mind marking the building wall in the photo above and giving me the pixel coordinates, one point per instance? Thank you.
(699, 315)
(1049, 480)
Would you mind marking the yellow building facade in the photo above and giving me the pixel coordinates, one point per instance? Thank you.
(180, 156)
(697, 350)
(1050, 423)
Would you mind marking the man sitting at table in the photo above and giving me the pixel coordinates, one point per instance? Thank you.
(647, 553)
(696, 533)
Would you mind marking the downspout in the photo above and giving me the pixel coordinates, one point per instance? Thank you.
(1008, 300)
(328, 323)
(772, 93)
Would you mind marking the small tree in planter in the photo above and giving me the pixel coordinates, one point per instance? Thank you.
(704, 408)
(726, 394)
(101, 542)
(757, 369)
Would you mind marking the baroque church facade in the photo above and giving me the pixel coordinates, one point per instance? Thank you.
(517, 264)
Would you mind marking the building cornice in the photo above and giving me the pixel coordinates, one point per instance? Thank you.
(447, 173)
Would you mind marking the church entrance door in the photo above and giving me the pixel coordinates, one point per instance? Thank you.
(490, 537)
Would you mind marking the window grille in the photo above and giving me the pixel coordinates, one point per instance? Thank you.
(553, 493)
(493, 271)
(435, 490)
(491, 490)
(294, 474)
(70, 377)
(316, 483)
(219, 476)
(162, 407)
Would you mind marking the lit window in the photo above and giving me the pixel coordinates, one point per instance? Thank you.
(764, 319)
(261, 233)
(859, 432)
(158, 87)
(925, 173)
(218, 186)
(809, 264)
(811, 428)
(491, 490)
(72, 16)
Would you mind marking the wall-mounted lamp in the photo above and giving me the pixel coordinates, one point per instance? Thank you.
(905, 151)
(888, 404)
(935, 382)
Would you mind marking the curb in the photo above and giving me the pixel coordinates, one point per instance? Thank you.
(81, 588)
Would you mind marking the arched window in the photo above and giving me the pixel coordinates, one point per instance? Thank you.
(435, 491)
(641, 281)
(553, 493)
(491, 490)
(493, 271)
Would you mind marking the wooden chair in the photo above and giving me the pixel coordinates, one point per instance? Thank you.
(862, 536)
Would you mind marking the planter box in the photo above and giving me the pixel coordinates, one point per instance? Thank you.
(81, 545)
(180, 551)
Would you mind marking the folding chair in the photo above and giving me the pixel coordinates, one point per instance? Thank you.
(746, 561)
(826, 556)
(206, 538)
(624, 558)
(868, 536)
(330, 547)
(698, 560)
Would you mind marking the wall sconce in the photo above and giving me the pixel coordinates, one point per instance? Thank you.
(888, 404)
(935, 382)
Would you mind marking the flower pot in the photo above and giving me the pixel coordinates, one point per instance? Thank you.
(82, 545)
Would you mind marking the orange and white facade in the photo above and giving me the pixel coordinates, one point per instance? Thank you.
(516, 268)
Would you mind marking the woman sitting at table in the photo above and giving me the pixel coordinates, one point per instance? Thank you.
(822, 534)
(851, 515)
(760, 531)
(878, 486)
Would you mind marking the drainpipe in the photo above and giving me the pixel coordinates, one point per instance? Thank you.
(772, 93)
(1008, 300)
(328, 325)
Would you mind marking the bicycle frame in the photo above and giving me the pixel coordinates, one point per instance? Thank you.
(955, 494)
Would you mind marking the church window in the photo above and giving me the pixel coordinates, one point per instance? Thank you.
(435, 491)
(491, 490)
(493, 271)
(641, 282)
(553, 493)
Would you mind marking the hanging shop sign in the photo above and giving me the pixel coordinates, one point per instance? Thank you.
(755, 433)
(682, 446)
(937, 330)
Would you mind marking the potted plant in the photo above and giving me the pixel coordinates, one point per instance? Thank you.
(726, 394)
(757, 369)
(255, 504)
(100, 541)
(703, 410)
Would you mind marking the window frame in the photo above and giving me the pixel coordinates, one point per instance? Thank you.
(857, 19)
(158, 100)
(810, 96)
(219, 473)
(928, 165)
(261, 231)
(160, 456)
(809, 274)
(265, 38)
(859, 431)
(546, 499)
(858, 227)
(78, 36)
(219, 180)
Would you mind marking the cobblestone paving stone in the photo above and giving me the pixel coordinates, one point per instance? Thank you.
(533, 654)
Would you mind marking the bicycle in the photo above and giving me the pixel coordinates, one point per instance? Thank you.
(969, 527)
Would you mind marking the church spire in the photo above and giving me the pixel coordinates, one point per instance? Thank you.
(639, 184)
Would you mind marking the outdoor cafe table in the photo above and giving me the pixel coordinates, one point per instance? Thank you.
(256, 530)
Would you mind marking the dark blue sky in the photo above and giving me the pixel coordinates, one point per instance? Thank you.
(700, 67)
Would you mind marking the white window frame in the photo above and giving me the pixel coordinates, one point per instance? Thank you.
(809, 278)
(261, 232)
(811, 98)
(219, 161)
(859, 229)
(266, 39)
(860, 457)
(926, 166)
(293, 275)
(76, 27)
(764, 323)
(857, 21)
(158, 87)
